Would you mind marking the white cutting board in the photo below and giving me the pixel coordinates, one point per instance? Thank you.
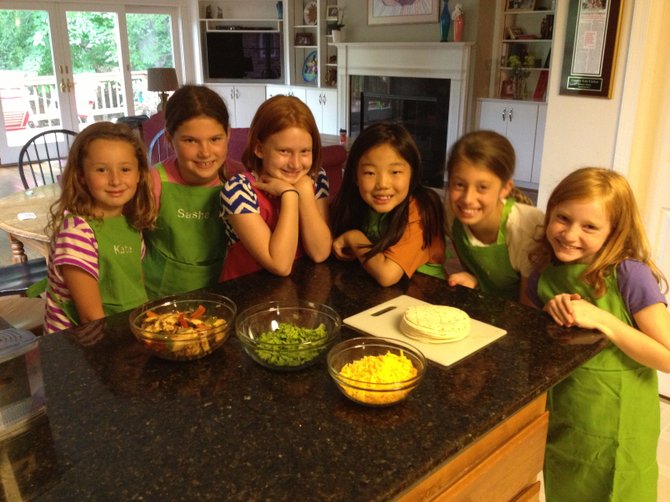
(386, 323)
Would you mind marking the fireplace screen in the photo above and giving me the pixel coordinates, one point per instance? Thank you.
(420, 104)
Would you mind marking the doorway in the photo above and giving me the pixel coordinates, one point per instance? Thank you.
(74, 64)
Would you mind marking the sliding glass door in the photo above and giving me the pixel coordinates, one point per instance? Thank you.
(67, 65)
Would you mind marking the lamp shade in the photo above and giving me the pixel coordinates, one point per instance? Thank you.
(162, 79)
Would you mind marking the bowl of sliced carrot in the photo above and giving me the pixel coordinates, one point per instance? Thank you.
(183, 327)
(376, 371)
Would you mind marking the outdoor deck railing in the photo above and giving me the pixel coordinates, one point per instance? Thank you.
(99, 96)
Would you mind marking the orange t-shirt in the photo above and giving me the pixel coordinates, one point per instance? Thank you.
(409, 252)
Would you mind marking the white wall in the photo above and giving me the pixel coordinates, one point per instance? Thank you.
(580, 131)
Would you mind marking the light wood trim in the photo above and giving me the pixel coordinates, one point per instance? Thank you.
(530, 494)
(506, 473)
(458, 467)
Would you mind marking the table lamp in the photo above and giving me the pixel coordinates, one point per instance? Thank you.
(162, 80)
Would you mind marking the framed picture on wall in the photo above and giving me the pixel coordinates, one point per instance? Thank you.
(590, 48)
(332, 13)
(403, 11)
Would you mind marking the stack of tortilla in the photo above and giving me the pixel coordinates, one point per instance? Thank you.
(435, 323)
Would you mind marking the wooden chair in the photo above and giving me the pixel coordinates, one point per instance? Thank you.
(159, 148)
(44, 156)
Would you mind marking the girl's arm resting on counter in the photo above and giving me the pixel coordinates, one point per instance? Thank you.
(648, 345)
(85, 293)
(354, 243)
(315, 233)
(274, 251)
(462, 279)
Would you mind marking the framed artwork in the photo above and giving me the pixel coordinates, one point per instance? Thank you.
(520, 4)
(332, 13)
(590, 47)
(403, 11)
(303, 39)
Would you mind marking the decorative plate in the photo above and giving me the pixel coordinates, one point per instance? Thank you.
(310, 68)
(310, 13)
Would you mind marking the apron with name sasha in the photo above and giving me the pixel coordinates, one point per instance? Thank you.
(120, 280)
(187, 248)
(604, 418)
(490, 264)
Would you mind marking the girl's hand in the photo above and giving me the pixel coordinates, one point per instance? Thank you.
(273, 186)
(342, 249)
(560, 308)
(305, 186)
(462, 279)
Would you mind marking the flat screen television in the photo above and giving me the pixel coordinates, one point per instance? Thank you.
(243, 56)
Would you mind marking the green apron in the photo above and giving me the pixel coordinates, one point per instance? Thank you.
(490, 264)
(186, 249)
(377, 223)
(120, 280)
(604, 418)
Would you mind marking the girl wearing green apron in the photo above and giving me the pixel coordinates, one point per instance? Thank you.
(491, 233)
(186, 249)
(95, 259)
(597, 274)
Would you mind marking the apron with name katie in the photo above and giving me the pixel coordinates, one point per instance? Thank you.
(186, 249)
(120, 280)
(490, 264)
(604, 418)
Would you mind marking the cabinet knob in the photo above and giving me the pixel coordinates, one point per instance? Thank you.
(504, 114)
(511, 111)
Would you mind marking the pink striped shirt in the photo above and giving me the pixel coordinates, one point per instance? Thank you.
(74, 244)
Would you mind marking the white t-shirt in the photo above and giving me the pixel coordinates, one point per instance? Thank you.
(524, 225)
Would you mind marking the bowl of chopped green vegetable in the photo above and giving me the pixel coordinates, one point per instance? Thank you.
(376, 371)
(287, 336)
(183, 327)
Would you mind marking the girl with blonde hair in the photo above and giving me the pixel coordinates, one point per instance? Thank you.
(95, 256)
(596, 272)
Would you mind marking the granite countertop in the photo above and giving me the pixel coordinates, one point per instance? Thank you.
(122, 425)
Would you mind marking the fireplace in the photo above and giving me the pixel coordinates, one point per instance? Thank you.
(420, 104)
(404, 82)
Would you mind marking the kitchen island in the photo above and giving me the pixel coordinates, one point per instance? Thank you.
(123, 425)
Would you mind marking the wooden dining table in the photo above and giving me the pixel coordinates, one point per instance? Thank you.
(24, 216)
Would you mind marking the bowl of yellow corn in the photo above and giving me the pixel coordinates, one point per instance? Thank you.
(376, 371)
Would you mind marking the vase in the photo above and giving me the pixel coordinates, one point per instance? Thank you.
(518, 88)
(445, 21)
(458, 29)
(338, 36)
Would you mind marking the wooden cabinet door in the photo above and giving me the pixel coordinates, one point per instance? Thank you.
(323, 104)
(247, 100)
(493, 116)
(329, 108)
(517, 121)
(287, 90)
(521, 126)
(227, 92)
